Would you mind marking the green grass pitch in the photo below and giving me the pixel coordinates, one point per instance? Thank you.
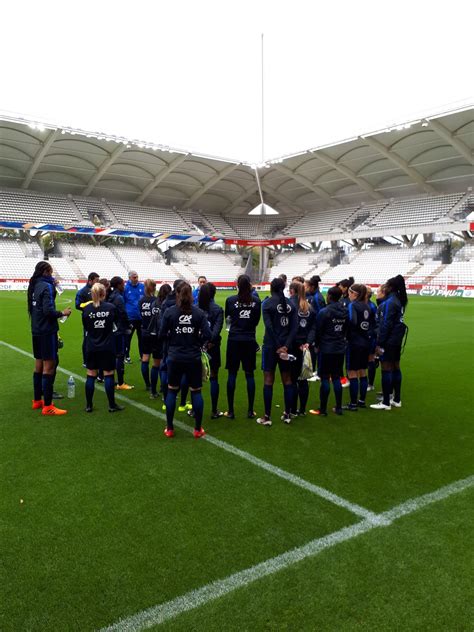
(102, 517)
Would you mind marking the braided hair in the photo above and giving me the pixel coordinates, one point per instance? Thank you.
(277, 286)
(41, 268)
(397, 285)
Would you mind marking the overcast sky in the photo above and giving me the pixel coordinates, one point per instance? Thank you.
(188, 73)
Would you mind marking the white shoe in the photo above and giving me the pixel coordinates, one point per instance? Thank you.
(287, 418)
(395, 404)
(314, 378)
(370, 388)
(264, 422)
(380, 406)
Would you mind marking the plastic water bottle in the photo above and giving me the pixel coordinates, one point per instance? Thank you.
(71, 387)
(228, 322)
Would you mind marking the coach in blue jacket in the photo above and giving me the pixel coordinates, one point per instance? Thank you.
(132, 293)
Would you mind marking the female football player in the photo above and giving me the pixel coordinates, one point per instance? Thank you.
(215, 317)
(391, 331)
(151, 345)
(304, 339)
(330, 342)
(117, 285)
(44, 329)
(361, 324)
(98, 319)
(279, 316)
(242, 312)
(186, 329)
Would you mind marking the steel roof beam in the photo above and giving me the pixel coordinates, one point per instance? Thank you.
(444, 133)
(41, 153)
(209, 184)
(118, 151)
(174, 164)
(399, 162)
(308, 184)
(361, 183)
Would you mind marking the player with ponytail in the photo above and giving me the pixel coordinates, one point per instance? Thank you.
(391, 332)
(279, 316)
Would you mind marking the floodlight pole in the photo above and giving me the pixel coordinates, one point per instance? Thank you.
(263, 100)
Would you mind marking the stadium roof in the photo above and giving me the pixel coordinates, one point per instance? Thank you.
(425, 157)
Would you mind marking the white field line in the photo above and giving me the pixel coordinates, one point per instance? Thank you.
(273, 469)
(201, 596)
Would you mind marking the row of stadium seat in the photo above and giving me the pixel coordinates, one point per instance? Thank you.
(28, 206)
(74, 260)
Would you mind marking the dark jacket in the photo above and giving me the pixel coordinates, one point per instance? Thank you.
(331, 329)
(244, 318)
(345, 300)
(184, 333)
(391, 328)
(361, 324)
(98, 323)
(280, 323)
(83, 296)
(316, 300)
(215, 317)
(44, 315)
(306, 323)
(150, 315)
(116, 298)
(131, 296)
(170, 301)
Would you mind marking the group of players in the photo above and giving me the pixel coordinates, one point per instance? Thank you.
(176, 325)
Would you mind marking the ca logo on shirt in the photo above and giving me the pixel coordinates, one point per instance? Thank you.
(245, 313)
(185, 319)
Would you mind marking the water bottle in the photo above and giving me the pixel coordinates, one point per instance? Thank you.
(63, 319)
(287, 356)
(71, 387)
(228, 322)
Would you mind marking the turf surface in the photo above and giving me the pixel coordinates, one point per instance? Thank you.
(115, 518)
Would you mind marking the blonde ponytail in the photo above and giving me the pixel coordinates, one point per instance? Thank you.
(97, 294)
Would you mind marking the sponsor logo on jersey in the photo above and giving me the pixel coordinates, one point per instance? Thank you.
(245, 313)
(281, 309)
(185, 319)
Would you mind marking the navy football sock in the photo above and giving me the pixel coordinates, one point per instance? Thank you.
(324, 394)
(47, 382)
(397, 384)
(363, 383)
(267, 399)
(386, 386)
(214, 393)
(288, 396)
(164, 383)
(303, 389)
(231, 381)
(371, 373)
(250, 391)
(198, 408)
(170, 407)
(37, 385)
(353, 389)
(90, 386)
(120, 369)
(154, 372)
(184, 391)
(109, 389)
(145, 373)
(337, 386)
